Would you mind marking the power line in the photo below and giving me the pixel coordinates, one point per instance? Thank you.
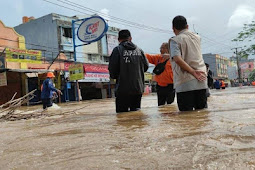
(116, 20)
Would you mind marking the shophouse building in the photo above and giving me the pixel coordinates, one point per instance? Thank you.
(218, 65)
(53, 34)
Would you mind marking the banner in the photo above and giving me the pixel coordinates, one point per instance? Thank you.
(76, 72)
(112, 42)
(96, 73)
(20, 55)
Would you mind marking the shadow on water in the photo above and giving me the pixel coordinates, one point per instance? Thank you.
(132, 120)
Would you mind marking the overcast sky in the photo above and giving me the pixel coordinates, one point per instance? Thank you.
(217, 21)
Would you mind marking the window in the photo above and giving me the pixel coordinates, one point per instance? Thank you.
(67, 32)
(69, 55)
(27, 57)
(33, 58)
(15, 56)
(89, 57)
(106, 59)
(21, 56)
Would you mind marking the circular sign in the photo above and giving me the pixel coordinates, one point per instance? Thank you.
(92, 29)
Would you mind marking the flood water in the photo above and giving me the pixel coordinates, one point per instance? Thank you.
(95, 137)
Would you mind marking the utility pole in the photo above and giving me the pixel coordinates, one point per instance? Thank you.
(237, 62)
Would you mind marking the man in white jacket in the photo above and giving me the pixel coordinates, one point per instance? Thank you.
(190, 79)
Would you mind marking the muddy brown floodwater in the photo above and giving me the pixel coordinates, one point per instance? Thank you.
(95, 137)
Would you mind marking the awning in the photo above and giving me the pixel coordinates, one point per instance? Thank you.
(30, 75)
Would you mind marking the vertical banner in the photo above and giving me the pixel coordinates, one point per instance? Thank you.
(112, 42)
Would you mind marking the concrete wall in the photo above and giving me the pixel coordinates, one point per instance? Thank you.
(42, 33)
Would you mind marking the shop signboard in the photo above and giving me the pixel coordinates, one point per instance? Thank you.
(3, 79)
(92, 29)
(96, 73)
(76, 71)
(20, 55)
(93, 72)
(147, 76)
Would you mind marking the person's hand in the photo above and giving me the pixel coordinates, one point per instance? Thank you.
(165, 56)
(199, 75)
(59, 92)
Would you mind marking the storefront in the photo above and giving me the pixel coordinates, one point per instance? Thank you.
(96, 81)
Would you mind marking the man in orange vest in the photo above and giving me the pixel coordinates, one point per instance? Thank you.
(165, 89)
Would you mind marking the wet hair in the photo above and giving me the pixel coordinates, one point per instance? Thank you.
(124, 34)
(179, 22)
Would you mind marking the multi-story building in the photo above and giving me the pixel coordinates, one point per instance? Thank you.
(16, 63)
(246, 66)
(53, 34)
(218, 65)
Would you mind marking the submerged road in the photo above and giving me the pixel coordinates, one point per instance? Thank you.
(95, 137)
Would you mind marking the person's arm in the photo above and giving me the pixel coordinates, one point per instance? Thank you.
(52, 88)
(152, 58)
(114, 63)
(199, 75)
(176, 56)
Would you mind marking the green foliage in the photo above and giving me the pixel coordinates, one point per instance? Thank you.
(248, 34)
(252, 76)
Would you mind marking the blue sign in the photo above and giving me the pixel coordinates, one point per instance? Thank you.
(92, 29)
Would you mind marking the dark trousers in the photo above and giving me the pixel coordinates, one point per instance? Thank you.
(125, 103)
(165, 94)
(191, 100)
(47, 103)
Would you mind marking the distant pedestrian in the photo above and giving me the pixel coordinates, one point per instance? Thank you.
(188, 67)
(209, 80)
(48, 91)
(217, 84)
(165, 89)
(222, 84)
(209, 76)
(127, 65)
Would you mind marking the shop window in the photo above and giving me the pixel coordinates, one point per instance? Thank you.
(21, 56)
(15, 56)
(27, 57)
(67, 32)
(33, 58)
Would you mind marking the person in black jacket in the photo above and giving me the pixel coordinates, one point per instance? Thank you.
(127, 65)
(209, 76)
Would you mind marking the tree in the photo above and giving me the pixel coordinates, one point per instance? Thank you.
(252, 76)
(247, 34)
